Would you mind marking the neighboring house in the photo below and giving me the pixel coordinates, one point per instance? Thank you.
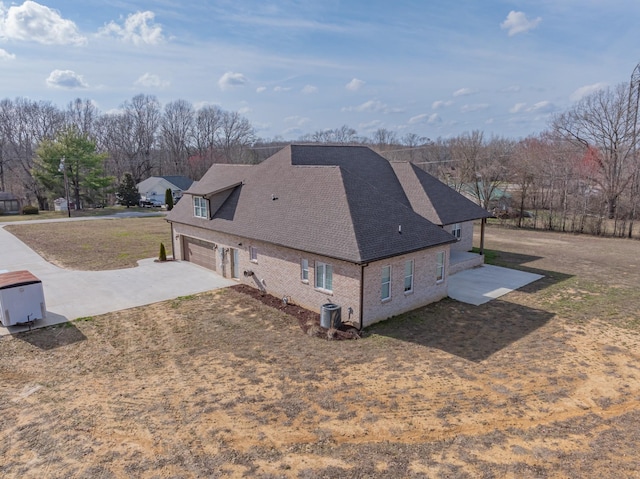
(318, 224)
(9, 204)
(154, 188)
(499, 197)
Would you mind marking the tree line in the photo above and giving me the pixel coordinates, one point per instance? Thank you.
(142, 138)
(582, 174)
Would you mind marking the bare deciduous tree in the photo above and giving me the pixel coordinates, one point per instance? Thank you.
(82, 115)
(600, 123)
(235, 135)
(177, 131)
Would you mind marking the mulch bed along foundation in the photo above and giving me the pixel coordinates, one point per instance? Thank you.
(308, 320)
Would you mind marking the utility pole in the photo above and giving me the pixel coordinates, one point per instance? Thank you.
(632, 119)
(63, 168)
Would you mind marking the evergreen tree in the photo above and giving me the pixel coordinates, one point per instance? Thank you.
(168, 199)
(163, 253)
(127, 193)
(73, 155)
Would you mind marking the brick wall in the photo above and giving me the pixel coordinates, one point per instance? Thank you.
(425, 288)
(466, 238)
(278, 272)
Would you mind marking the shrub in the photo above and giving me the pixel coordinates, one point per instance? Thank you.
(30, 210)
(163, 253)
(168, 199)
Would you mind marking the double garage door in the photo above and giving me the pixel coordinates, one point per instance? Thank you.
(199, 252)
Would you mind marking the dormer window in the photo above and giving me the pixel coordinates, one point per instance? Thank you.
(200, 209)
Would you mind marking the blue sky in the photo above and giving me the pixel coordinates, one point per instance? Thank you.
(434, 68)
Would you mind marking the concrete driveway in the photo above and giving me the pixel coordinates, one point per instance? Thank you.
(484, 283)
(74, 294)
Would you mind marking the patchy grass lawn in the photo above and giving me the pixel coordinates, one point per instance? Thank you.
(219, 385)
(96, 244)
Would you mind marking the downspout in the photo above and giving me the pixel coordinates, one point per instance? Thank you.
(173, 244)
(482, 224)
(360, 326)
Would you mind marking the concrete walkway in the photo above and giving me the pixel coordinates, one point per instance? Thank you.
(74, 294)
(484, 283)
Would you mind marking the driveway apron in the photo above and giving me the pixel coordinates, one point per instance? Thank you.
(73, 294)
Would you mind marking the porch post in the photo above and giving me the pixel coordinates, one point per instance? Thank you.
(482, 223)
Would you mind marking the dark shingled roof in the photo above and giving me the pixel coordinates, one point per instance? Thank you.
(433, 199)
(7, 196)
(182, 182)
(344, 202)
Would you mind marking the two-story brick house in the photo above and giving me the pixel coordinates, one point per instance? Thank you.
(318, 224)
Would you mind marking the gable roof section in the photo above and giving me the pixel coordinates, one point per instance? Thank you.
(434, 200)
(181, 182)
(341, 202)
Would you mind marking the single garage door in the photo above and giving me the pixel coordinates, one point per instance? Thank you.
(199, 252)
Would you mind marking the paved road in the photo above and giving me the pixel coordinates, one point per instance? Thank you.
(74, 294)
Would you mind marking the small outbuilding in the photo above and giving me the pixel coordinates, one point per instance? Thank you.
(9, 204)
(21, 298)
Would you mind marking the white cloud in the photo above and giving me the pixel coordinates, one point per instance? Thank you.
(34, 22)
(417, 119)
(543, 107)
(586, 90)
(469, 108)
(293, 131)
(66, 79)
(436, 105)
(244, 110)
(512, 89)
(434, 118)
(281, 88)
(517, 22)
(373, 106)
(5, 55)
(297, 120)
(517, 108)
(370, 126)
(354, 85)
(309, 89)
(464, 92)
(261, 89)
(230, 80)
(138, 28)
(149, 80)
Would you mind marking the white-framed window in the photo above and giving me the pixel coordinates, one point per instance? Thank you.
(324, 276)
(304, 270)
(200, 207)
(440, 266)
(385, 286)
(408, 276)
(456, 231)
(253, 254)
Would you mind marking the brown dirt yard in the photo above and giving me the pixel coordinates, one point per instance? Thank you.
(544, 382)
